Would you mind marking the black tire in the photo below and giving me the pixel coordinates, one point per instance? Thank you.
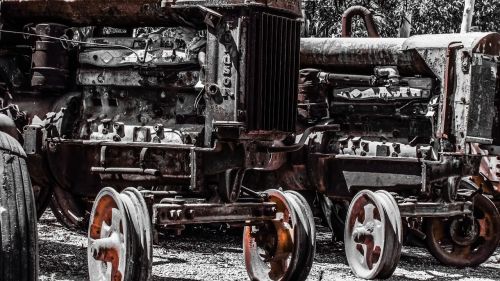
(69, 210)
(18, 218)
(42, 198)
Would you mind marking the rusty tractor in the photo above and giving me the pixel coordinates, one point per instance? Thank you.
(143, 116)
(415, 146)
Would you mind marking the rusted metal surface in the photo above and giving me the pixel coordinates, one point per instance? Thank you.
(364, 13)
(206, 107)
(409, 112)
(120, 237)
(281, 249)
(445, 124)
(124, 13)
(358, 55)
(465, 241)
(49, 61)
(109, 238)
(171, 96)
(175, 214)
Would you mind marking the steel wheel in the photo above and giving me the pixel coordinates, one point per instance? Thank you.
(465, 241)
(139, 214)
(306, 257)
(372, 235)
(272, 249)
(394, 217)
(119, 237)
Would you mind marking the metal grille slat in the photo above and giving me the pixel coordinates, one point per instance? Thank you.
(273, 74)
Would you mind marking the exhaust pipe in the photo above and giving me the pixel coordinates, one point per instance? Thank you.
(367, 16)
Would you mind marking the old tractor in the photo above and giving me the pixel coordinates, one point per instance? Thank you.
(415, 119)
(142, 116)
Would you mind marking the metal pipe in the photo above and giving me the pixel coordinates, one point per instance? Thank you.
(367, 16)
(338, 79)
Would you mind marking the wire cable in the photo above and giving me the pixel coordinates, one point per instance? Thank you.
(67, 40)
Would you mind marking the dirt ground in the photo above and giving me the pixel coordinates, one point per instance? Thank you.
(211, 254)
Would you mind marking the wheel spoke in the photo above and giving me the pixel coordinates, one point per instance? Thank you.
(369, 214)
(116, 218)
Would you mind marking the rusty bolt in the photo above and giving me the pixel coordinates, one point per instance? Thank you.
(171, 214)
(396, 146)
(365, 146)
(52, 147)
(190, 214)
(179, 214)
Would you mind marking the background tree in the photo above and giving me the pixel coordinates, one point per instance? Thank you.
(429, 16)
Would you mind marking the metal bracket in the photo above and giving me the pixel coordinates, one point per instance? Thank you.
(33, 139)
(199, 213)
(435, 209)
(212, 18)
(493, 150)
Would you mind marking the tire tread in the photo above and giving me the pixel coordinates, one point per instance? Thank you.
(18, 242)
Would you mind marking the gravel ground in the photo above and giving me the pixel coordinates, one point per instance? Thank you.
(204, 254)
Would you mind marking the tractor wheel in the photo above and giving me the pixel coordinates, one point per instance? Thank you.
(120, 237)
(281, 249)
(465, 241)
(18, 218)
(69, 210)
(42, 198)
(373, 235)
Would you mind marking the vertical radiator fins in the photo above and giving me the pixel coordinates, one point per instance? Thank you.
(273, 70)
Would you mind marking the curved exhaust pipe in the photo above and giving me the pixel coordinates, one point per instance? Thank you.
(367, 16)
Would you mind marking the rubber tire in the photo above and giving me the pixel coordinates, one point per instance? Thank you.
(18, 218)
(64, 219)
(42, 199)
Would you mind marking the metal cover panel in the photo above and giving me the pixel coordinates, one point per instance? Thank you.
(482, 99)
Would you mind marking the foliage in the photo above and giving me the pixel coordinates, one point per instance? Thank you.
(429, 16)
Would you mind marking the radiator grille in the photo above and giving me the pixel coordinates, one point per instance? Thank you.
(273, 69)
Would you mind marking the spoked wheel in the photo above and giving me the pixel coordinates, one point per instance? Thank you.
(281, 249)
(465, 241)
(373, 235)
(119, 238)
